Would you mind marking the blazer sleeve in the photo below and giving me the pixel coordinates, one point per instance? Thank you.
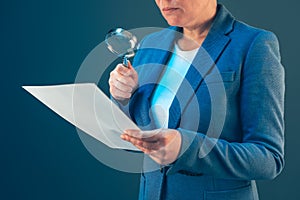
(260, 155)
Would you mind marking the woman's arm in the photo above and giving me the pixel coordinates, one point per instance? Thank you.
(261, 153)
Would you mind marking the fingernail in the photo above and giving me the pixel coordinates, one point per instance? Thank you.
(122, 136)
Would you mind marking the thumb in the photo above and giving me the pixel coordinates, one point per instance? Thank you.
(129, 65)
(132, 70)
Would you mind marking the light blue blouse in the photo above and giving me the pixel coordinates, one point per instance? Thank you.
(169, 83)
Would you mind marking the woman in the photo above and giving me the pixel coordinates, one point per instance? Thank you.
(198, 159)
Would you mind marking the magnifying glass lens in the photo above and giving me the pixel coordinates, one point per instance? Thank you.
(122, 43)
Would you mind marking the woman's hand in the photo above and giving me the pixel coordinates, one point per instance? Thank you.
(122, 82)
(162, 145)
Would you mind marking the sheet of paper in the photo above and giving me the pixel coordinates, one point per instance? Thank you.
(88, 108)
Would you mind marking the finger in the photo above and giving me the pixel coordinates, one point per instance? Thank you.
(128, 81)
(131, 139)
(133, 133)
(121, 86)
(123, 70)
(153, 146)
(119, 94)
(126, 84)
(152, 135)
(127, 138)
(130, 71)
(130, 65)
(133, 73)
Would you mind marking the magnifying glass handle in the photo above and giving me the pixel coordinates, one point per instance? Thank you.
(125, 62)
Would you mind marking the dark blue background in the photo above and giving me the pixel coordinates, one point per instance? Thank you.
(45, 42)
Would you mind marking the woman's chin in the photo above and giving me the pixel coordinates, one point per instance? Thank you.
(174, 23)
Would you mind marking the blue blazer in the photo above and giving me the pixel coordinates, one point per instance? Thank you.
(229, 112)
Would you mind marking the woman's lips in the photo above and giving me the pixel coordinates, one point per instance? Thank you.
(169, 10)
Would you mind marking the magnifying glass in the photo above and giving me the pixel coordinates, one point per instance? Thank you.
(122, 43)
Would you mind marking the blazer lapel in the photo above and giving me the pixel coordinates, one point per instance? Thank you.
(150, 63)
(152, 58)
(205, 60)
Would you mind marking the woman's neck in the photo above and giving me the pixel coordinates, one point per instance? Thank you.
(194, 36)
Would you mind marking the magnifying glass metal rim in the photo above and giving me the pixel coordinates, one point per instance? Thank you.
(126, 34)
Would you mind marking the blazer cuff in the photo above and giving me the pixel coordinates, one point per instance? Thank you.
(188, 154)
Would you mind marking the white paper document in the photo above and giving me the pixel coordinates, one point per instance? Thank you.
(88, 108)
